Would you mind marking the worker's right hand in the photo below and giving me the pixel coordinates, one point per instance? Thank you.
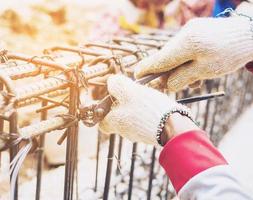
(205, 48)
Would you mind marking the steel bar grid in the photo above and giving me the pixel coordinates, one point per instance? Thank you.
(61, 73)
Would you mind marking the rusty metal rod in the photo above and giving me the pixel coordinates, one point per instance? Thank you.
(130, 186)
(40, 156)
(137, 42)
(71, 151)
(53, 83)
(111, 47)
(1, 125)
(37, 61)
(13, 128)
(97, 160)
(109, 167)
(34, 100)
(22, 71)
(151, 174)
(209, 85)
(42, 127)
(75, 50)
(119, 153)
(53, 101)
(167, 188)
(42, 87)
(157, 38)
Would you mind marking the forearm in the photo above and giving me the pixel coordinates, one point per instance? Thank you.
(195, 167)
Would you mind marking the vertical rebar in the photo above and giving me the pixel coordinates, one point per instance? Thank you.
(97, 160)
(13, 128)
(109, 167)
(76, 172)
(130, 186)
(119, 153)
(40, 154)
(213, 120)
(167, 188)
(72, 136)
(1, 122)
(151, 174)
(216, 101)
(247, 84)
(209, 84)
(242, 94)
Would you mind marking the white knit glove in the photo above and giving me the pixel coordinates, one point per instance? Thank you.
(205, 48)
(137, 112)
(246, 8)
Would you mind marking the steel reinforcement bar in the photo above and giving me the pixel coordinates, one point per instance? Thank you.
(65, 69)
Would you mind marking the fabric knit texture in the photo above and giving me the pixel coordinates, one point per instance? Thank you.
(205, 48)
(137, 111)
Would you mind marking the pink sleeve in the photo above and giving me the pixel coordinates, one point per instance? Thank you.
(187, 155)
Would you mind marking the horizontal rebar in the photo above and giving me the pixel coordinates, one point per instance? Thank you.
(42, 127)
(41, 87)
(53, 83)
(34, 100)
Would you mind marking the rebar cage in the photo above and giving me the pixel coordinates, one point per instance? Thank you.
(56, 80)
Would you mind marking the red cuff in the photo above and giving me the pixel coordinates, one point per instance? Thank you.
(188, 154)
(249, 66)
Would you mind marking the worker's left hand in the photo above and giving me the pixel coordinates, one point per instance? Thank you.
(205, 48)
(137, 111)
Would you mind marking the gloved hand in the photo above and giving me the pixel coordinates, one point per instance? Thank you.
(137, 112)
(205, 48)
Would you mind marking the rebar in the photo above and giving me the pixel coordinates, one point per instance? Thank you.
(72, 136)
(67, 70)
(14, 150)
(130, 186)
(40, 155)
(97, 161)
(151, 173)
(109, 167)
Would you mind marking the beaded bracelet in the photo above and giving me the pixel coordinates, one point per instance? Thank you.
(164, 119)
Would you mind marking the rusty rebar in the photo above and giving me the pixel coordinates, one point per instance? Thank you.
(97, 161)
(51, 84)
(131, 175)
(111, 47)
(72, 137)
(42, 127)
(1, 125)
(78, 50)
(109, 167)
(209, 84)
(40, 155)
(137, 42)
(119, 153)
(13, 128)
(37, 61)
(151, 173)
